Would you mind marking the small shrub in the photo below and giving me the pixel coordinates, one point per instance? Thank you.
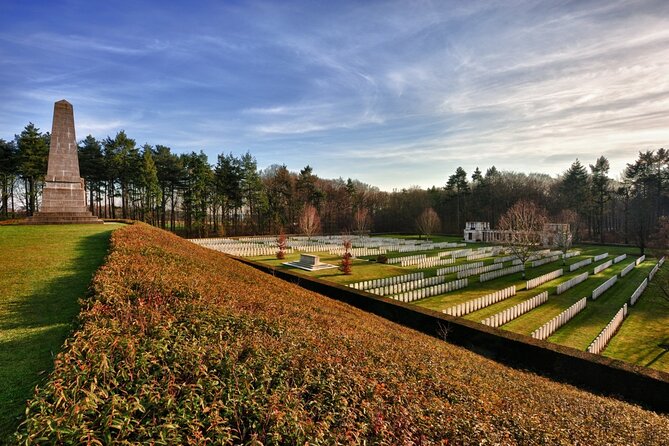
(347, 258)
(282, 242)
(382, 258)
(345, 266)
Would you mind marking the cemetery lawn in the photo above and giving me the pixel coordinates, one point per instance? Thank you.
(44, 270)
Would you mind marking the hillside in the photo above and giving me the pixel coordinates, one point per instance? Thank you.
(180, 344)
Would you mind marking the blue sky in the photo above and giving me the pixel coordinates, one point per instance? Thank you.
(394, 94)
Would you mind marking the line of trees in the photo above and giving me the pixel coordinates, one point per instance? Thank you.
(184, 192)
(598, 207)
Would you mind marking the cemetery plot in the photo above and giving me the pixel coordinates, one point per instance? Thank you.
(385, 281)
(510, 314)
(627, 269)
(546, 260)
(362, 245)
(655, 269)
(533, 283)
(637, 293)
(580, 332)
(549, 327)
(571, 254)
(407, 286)
(607, 333)
(481, 302)
(599, 257)
(480, 270)
(603, 287)
(422, 293)
(598, 269)
(564, 286)
(577, 265)
(469, 280)
(567, 318)
(580, 328)
(439, 286)
(501, 272)
(457, 268)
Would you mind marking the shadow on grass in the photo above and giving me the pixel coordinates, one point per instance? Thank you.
(42, 322)
(659, 356)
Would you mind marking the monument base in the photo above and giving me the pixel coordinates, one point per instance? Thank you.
(63, 218)
(64, 203)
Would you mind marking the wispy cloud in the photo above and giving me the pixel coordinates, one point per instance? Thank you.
(396, 93)
(71, 43)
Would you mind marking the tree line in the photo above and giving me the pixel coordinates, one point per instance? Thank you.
(186, 193)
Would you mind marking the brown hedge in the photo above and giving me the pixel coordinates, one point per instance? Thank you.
(181, 345)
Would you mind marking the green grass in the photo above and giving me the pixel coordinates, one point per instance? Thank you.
(643, 338)
(44, 270)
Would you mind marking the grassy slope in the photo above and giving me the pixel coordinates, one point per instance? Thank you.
(185, 345)
(44, 271)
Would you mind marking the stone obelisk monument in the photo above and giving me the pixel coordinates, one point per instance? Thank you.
(64, 196)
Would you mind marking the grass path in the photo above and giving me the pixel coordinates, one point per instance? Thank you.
(44, 270)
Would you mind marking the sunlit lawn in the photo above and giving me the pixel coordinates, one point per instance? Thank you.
(44, 270)
(643, 338)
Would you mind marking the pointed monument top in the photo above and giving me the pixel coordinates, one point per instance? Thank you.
(63, 159)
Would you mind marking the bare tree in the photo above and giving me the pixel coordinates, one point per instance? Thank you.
(563, 237)
(523, 224)
(310, 222)
(428, 222)
(361, 221)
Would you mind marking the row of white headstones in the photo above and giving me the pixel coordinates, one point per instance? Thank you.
(362, 245)
(406, 288)
(415, 286)
(607, 333)
(396, 284)
(426, 287)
